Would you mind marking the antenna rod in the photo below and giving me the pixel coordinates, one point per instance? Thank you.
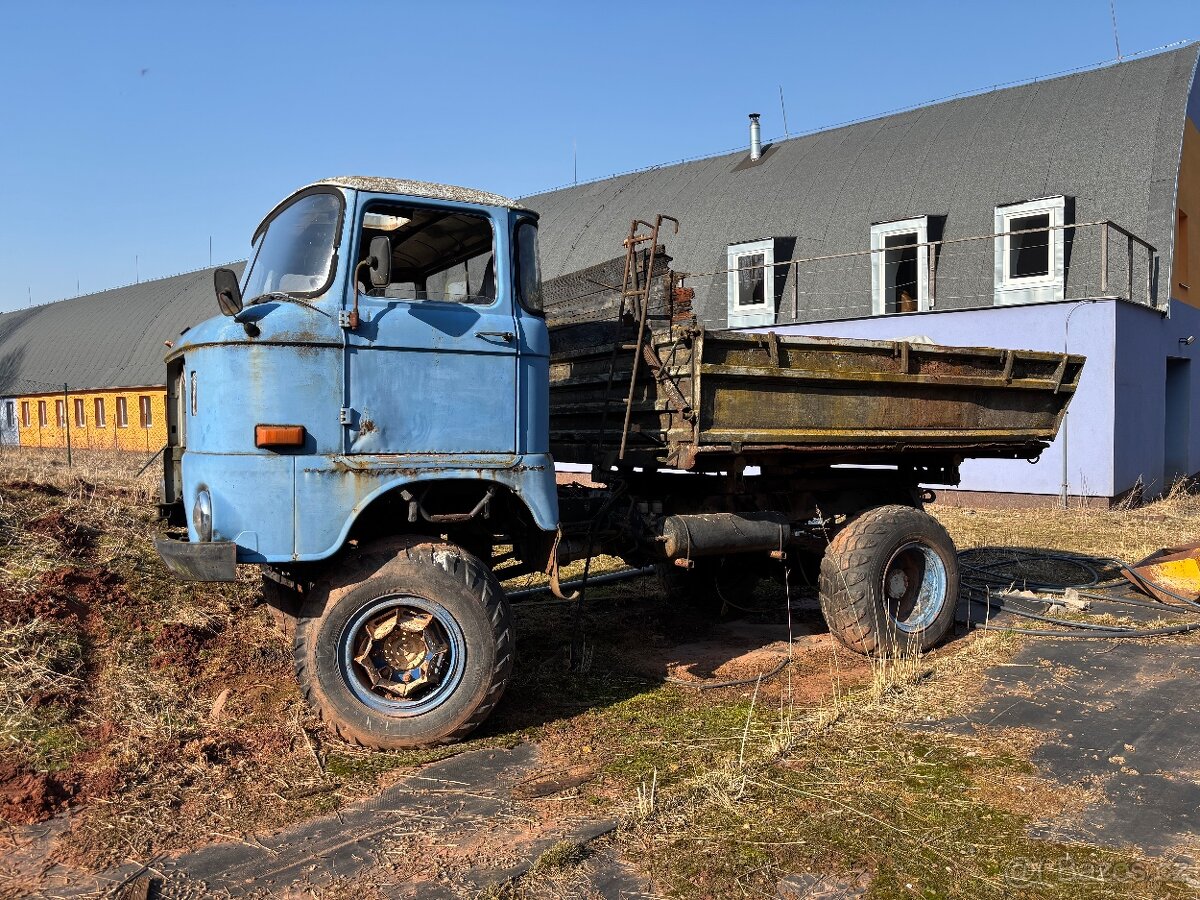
(783, 108)
(1112, 8)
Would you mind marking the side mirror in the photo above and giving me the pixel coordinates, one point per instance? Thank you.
(229, 294)
(381, 261)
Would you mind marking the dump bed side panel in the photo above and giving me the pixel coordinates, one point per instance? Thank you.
(700, 396)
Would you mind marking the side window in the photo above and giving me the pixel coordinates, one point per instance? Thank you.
(24, 413)
(1030, 251)
(79, 419)
(751, 284)
(529, 269)
(42, 420)
(900, 266)
(437, 254)
(99, 412)
(122, 413)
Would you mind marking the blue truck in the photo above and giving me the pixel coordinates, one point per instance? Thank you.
(374, 420)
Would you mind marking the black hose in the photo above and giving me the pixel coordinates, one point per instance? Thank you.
(1070, 623)
(1038, 617)
(1094, 636)
(982, 577)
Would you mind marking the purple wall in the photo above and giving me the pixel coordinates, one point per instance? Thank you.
(1146, 340)
(1086, 327)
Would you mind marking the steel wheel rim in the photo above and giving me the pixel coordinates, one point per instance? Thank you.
(914, 587)
(447, 669)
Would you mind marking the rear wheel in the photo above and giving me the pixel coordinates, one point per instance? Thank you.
(889, 582)
(410, 645)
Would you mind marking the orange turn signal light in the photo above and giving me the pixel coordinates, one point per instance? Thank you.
(278, 435)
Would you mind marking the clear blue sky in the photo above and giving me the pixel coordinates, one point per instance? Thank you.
(140, 130)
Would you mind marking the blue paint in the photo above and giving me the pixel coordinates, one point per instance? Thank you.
(422, 390)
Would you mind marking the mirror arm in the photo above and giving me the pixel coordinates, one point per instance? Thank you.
(369, 261)
(252, 330)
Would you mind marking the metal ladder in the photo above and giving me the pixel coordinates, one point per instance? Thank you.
(635, 291)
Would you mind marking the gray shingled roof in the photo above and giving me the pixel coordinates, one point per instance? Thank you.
(1108, 137)
(110, 339)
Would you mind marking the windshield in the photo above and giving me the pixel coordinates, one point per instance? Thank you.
(295, 253)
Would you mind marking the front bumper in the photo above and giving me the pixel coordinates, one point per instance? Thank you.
(212, 561)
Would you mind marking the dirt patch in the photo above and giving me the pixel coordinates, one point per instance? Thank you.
(820, 668)
(27, 796)
(35, 487)
(179, 645)
(64, 594)
(76, 539)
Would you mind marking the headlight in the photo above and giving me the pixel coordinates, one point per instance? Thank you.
(202, 516)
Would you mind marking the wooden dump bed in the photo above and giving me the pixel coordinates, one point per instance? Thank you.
(703, 399)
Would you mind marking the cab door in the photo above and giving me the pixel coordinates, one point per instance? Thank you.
(432, 366)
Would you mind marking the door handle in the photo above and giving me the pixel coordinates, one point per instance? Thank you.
(507, 336)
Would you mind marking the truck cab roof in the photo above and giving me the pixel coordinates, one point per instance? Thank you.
(404, 187)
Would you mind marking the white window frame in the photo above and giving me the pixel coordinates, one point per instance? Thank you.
(918, 225)
(122, 412)
(1034, 288)
(99, 414)
(756, 314)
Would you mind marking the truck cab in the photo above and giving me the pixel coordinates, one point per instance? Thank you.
(365, 421)
(383, 355)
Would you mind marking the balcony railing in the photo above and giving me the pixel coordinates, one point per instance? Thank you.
(1100, 260)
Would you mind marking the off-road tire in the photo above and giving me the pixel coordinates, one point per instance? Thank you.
(852, 581)
(422, 567)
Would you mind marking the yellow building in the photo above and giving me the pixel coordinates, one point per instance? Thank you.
(106, 351)
(114, 419)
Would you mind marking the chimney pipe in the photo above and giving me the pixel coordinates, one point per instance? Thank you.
(755, 137)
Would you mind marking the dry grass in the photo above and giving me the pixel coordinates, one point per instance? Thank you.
(1128, 532)
(109, 670)
(720, 792)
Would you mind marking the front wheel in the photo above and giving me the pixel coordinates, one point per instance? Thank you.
(409, 645)
(889, 582)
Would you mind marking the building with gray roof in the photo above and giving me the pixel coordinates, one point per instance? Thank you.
(112, 338)
(1057, 215)
(1108, 140)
